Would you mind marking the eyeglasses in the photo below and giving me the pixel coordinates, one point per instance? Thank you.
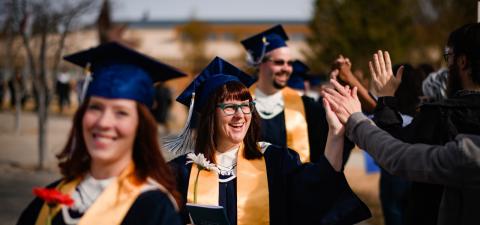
(230, 109)
(445, 56)
(279, 62)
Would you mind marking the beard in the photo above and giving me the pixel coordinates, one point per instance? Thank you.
(278, 85)
(454, 83)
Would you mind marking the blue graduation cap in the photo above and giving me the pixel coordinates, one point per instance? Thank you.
(299, 75)
(260, 44)
(121, 72)
(216, 74)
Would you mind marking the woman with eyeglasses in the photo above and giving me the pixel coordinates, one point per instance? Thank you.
(112, 166)
(256, 182)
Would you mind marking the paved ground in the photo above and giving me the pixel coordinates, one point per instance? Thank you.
(18, 160)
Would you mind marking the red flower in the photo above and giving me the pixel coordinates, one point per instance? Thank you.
(52, 196)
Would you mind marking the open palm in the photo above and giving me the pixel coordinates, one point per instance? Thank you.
(384, 83)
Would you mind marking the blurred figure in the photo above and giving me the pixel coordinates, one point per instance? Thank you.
(434, 87)
(17, 90)
(298, 79)
(317, 84)
(62, 89)
(163, 102)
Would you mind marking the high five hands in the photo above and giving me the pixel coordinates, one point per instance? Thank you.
(341, 101)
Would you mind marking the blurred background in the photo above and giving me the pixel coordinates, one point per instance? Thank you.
(38, 91)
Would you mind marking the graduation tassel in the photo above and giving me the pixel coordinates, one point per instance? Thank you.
(251, 59)
(182, 143)
(86, 82)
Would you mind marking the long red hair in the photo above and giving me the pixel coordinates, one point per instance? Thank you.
(149, 162)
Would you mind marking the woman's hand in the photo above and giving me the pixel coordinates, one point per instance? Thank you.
(343, 101)
(334, 124)
(384, 83)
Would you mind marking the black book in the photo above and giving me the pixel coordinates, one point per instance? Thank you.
(207, 214)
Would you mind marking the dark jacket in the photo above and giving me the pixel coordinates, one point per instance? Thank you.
(435, 123)
(456, 165)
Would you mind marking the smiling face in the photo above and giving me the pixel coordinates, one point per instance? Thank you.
(276, 70)
(109, 129)
(231, 129)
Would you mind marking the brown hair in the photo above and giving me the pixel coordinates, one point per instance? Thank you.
(205, 141)
(149, 162)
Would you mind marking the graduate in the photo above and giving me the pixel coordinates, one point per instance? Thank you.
(112, 166)
(287, 118)
(256, 182)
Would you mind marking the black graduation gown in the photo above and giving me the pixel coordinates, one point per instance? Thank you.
(274, 131)
(298, 193)
(150, 208)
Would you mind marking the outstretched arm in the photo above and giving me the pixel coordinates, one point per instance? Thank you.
(335, 138)
(344, 70)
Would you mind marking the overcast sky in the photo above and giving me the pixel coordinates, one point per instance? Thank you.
(212, 9)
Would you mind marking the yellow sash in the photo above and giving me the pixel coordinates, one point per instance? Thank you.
(110, 207)
(295, 123)
(252, 190)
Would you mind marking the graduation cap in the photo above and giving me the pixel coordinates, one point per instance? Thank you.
(215, 75)
(121, 72)
(299, 75)
(260, 44)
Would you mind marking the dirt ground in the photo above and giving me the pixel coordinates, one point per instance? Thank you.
(18, 159)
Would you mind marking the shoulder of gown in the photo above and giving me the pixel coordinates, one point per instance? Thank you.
(30, 214)
(152, 207)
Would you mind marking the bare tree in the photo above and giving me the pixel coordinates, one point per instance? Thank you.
(37, 21)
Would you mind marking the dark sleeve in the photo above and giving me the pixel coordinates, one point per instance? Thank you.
(316, 193)
(152, 208)
(454, 164)
(30, 214)
(430, 125)
(318, 130)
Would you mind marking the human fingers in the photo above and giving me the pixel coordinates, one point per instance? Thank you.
(388, 63)
(400, 74)
(339, 87)
(382, 63)
(378, 70)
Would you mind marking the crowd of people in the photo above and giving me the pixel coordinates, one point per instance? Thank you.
(264, 146)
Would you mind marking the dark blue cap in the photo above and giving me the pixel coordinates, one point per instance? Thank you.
(216, 74)
(266, 41)
(121, 72)
(299, 75)
(317, 80)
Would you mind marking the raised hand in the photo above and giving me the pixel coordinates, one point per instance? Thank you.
(334, 124)
(384, 83)
(343, 100)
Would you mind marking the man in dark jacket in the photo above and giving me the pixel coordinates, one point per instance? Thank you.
(456, 165)
(437, 123)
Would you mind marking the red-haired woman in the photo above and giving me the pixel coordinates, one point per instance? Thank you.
(112, 166)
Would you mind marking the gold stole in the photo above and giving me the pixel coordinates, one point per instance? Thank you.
(252, 190)
(295, 123)
(110, 207)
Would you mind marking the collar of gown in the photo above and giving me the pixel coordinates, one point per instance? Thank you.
(269, 106)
